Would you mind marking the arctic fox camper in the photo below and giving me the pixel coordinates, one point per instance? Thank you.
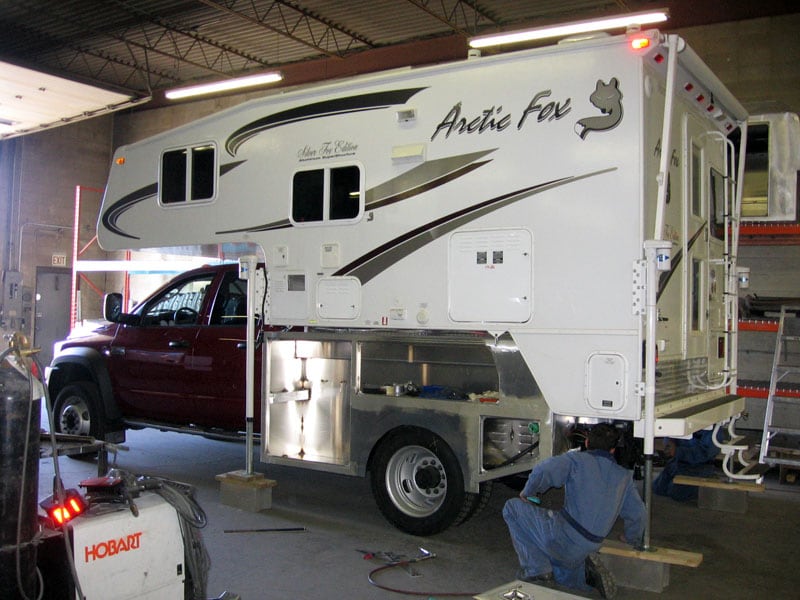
(468, 258)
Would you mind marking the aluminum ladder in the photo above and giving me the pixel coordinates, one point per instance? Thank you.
(779, 442)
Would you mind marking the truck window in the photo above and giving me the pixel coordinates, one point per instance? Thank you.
(230, 306)
(329, 194)
(187, 174)
(179, 305)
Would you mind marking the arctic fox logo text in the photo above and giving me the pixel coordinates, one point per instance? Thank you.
(112, 547)
(608, 99)
(490, 119)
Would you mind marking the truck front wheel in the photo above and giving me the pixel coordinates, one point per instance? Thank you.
(77, 410)
(417, 483)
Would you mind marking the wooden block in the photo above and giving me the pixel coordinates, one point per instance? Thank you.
(713, 482)
(255, 480)
(656, 554)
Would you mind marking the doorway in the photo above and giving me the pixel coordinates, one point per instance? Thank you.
(51, 309)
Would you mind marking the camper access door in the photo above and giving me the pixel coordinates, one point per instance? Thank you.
(704, 273)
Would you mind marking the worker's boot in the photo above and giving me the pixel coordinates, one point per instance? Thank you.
(543, 579)
(599, 577)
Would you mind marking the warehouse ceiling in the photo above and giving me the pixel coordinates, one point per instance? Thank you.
(141, 47)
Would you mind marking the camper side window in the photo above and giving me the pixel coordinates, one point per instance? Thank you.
(187, 174)
(330, 194)
(696, 190)
(719, 203)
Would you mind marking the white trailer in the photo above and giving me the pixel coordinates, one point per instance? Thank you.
(541, 225)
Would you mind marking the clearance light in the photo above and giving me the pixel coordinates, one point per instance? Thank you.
(540, 33)
(640, 43)
(120, 160)
(224, 86)
(74, 505)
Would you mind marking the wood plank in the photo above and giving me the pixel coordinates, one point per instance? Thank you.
(720, 484)
(670, 556)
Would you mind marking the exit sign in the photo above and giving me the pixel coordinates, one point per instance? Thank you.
(59, 260)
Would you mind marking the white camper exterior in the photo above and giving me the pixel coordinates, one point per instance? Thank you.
(520, 204)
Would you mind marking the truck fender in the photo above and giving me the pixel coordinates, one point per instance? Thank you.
(85, 364)
(447, 428)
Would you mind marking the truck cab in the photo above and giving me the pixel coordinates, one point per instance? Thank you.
(175, 361)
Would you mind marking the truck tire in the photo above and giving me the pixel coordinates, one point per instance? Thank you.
(78, 411)
(417, 483)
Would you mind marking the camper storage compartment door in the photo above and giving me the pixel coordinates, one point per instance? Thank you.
(490, 276)
(309, 400)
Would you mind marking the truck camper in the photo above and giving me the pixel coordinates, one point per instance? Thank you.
(469, 259)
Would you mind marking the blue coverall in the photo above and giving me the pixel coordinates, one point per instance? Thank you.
(692, 457)
(597, 491)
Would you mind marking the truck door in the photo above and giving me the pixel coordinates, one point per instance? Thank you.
(704, 270)
(219, 359)
(152, 360)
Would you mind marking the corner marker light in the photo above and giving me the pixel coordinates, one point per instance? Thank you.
(223, 86)
(540, 33)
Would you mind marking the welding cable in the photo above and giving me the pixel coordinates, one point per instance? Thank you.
(516, 457)
(191, 518)
(402, 563)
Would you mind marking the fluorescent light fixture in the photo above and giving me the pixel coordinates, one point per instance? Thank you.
(565, 29)
(223, 86)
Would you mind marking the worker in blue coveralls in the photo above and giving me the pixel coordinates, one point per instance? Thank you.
(559, 545)
(693, 457)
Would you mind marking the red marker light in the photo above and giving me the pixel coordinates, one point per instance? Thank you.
(640, 43)
(74, 505)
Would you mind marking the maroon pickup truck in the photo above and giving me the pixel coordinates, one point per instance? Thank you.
(177, 361)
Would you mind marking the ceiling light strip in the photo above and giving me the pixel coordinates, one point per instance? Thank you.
(224, 86)
(566, 29)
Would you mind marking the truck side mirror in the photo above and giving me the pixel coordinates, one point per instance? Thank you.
(112, 307)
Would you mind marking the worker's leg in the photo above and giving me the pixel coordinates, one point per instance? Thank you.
(571, 575)
(530, 527)
(663, 483)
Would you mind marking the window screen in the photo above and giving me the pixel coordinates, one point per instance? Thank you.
(308, 189)
(173, 176)
(202, 173)
(345, 192)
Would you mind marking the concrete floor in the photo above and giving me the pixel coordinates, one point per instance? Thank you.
(745, 556)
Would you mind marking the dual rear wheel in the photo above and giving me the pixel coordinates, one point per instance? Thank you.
(418, 484)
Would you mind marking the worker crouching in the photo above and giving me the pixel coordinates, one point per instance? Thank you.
(559, 545)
